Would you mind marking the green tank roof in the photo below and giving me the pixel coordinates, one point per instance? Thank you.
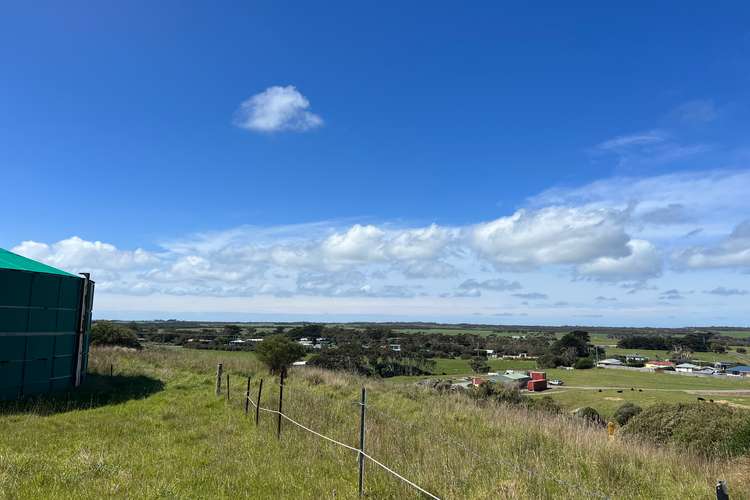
(10, 260)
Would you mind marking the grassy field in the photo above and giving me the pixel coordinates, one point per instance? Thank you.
(155, 430)
(582, 386)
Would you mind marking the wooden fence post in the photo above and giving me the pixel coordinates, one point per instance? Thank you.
(247, 397)
(219, 371)
(227, 386)
(257, 406)
(281, 400)
(111, 369)
(362, 406)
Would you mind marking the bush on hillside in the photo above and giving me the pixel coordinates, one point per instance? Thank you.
(703, 428)
(106, 333)
(625, 412)
(278, 352)
(589, 414)
(584, 363)
(545, 404)
(741, 350)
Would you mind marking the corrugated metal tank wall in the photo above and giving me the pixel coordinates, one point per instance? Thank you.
(40, 318)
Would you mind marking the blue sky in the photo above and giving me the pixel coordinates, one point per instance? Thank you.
(498, 164)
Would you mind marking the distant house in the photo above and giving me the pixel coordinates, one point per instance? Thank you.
(739, 371)
(609, 362)
(686, 368)
(394, 347)
(659, 365)
(299, 363)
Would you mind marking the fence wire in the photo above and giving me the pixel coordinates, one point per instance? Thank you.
(344, 445)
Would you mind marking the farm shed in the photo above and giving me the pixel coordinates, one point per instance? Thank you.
(45, 319)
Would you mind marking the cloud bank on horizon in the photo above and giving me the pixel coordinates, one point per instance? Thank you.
(663, 249)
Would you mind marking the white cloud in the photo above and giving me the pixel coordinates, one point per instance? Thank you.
(732, 252)
(277, 109)
(76, 253)
(609, 240)
(642, 262)
(552, 235)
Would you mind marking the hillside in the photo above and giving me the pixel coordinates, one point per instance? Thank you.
(156, 429)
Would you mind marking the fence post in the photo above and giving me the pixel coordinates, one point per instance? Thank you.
(227, 386)
(257, 406)
(362, 406)
(111, 369)
(281, 400)
(247, 397)
(219, 371)
(722, 493)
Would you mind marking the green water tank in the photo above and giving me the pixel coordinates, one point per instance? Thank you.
(45, 320)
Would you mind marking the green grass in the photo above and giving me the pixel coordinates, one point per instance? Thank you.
(461, 366)
(156, 430)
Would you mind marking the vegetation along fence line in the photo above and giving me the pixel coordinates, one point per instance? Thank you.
(362, 455)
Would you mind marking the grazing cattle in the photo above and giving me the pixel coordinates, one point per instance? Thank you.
(701, 399)
(619, 392)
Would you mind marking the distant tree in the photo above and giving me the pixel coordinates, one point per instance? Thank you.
(232, 330)
(278, 352)
(741, 350)
(113, 334)
(548, 360)
(479, 365)
(577, 340)
(310, 331)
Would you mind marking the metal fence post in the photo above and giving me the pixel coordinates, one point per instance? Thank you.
(227, 386)
(219, 371)
(281, 400)
(257, 405)
(247, 397)
(362, 406)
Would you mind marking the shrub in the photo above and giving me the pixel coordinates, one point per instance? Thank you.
(741, 350)
(625, 412)
(584, 363)
(113, 334)
(589, 414)
(703, 428)
(545, 404)
(277, 352)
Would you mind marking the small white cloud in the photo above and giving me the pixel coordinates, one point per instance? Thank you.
(642, 262)
(277, 109)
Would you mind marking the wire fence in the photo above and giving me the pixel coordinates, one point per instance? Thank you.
(410, 428)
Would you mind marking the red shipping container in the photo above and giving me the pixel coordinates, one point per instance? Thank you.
(537, 385)
(538, 375)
